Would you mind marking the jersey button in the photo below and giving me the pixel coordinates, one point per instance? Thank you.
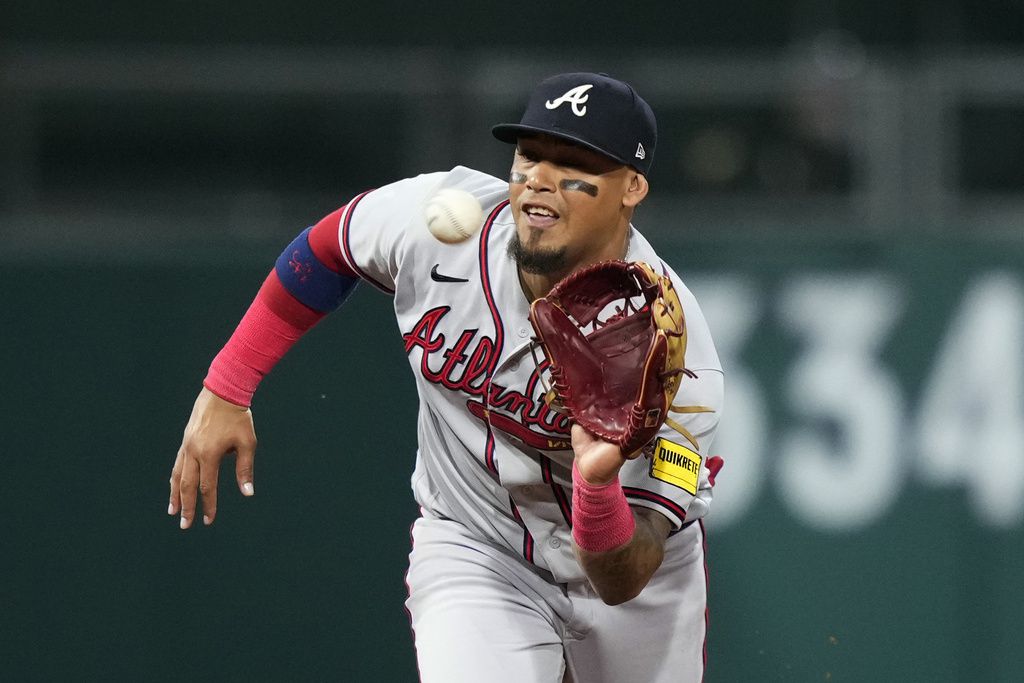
(555, 543)
(523, 331)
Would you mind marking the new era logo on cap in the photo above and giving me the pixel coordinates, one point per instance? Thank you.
(592, 110)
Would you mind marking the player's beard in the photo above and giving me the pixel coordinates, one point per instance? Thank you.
(536, 260)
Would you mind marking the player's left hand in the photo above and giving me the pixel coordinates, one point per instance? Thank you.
(598, 461)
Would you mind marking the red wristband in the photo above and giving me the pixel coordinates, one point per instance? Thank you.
(601, 517)
(261, 339)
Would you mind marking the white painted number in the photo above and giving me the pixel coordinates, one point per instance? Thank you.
(841, 465)
(844, 439)
(970, 429)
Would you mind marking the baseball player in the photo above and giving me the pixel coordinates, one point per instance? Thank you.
(542, 553)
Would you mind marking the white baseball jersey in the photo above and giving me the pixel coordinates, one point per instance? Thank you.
(492, 455)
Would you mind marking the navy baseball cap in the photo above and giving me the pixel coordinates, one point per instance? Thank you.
(592, 110)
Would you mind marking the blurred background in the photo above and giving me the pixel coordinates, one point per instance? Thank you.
(839, 182)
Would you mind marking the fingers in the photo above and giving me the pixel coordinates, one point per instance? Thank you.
(208, 490)
(188, 485)
(194, 480)
(244, 459)
(175, 502)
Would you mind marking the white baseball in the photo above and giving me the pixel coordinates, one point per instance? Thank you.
(453, 215)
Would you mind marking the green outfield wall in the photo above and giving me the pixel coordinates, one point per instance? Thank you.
(868, 525)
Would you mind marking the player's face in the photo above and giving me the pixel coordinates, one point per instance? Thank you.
(571, 205)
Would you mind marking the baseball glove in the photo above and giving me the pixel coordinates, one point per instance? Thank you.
(615, 337)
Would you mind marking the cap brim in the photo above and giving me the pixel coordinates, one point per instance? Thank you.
(510, 132)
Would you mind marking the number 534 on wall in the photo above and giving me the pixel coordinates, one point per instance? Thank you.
(821, 410)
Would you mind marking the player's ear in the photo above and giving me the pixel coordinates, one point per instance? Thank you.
(636, 189)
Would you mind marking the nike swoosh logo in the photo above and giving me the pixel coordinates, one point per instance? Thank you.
(438, 277)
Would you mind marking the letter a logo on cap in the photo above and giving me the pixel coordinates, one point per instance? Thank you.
(576, 97)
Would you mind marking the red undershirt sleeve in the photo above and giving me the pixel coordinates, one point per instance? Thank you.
(311, 268)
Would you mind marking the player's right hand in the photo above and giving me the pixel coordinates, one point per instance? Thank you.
(215, 428)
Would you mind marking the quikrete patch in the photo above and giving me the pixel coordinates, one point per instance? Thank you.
(676, 465)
